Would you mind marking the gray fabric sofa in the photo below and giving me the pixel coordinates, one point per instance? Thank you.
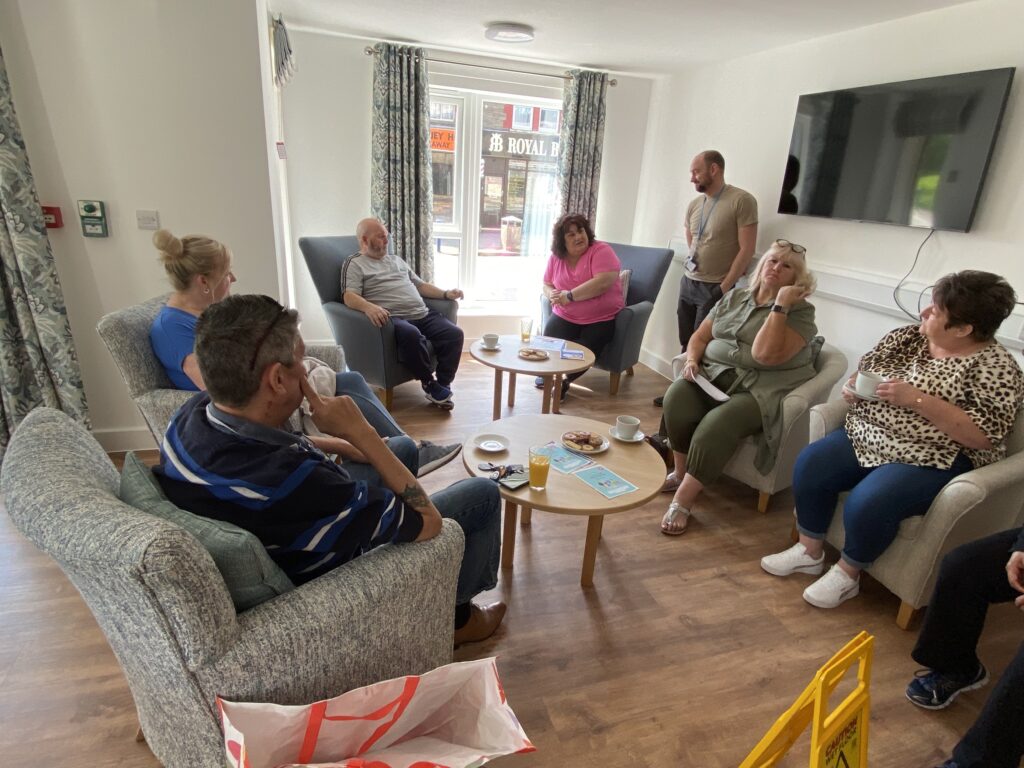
(164, 608)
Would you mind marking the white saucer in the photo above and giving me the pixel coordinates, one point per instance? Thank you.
(637, 438)
(495, 348)
(855, 393)
(491, 443)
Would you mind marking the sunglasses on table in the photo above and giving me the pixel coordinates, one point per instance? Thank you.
(794, 247)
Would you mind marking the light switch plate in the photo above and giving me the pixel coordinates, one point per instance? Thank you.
(147, 219)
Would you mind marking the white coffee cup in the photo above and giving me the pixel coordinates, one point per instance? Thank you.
(489, 340)
(867, 383)
(626, 426)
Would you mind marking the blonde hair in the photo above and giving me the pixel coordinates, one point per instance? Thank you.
(184, 258)
(804, 276)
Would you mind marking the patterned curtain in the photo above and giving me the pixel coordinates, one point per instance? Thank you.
(579, 164)
(38, 363)
(401, 187)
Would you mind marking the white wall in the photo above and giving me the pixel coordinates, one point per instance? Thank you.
(745, 108)
(327, 127)
(142, 105)
(326, 116)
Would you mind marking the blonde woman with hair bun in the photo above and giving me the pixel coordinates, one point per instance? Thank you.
(199, 269)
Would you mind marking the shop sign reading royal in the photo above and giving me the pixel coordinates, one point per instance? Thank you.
(535, 146)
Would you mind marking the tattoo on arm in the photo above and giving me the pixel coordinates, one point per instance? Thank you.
(414, 496)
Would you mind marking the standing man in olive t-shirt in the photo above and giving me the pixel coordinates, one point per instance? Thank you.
(721, 229)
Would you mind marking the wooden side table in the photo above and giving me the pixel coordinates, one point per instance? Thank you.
(506, 359)
(637, 462)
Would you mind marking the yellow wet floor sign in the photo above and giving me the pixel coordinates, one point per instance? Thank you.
(839, 738)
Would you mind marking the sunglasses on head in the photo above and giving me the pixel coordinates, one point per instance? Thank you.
(794, 247)
(265, 336)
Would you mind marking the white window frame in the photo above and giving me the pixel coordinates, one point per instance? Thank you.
(469, 137)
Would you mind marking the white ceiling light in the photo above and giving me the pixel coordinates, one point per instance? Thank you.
(508, 32)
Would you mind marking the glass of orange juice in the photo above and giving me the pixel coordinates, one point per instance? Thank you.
(540, 463)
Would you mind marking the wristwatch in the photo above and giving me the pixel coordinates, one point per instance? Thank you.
(780, 309)
(569, 295)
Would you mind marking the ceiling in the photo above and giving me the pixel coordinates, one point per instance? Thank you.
(650, 36)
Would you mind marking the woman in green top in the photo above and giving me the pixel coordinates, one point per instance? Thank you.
(755, 347)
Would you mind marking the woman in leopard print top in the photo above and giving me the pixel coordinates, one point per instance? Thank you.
(950, 396)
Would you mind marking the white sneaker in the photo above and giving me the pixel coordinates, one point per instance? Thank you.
(793, 560)
(832, 589)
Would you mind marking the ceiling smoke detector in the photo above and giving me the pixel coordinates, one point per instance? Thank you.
(507, 32)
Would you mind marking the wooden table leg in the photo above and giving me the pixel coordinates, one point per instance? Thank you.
(556, 394)
(525, 517)
(508, 539)
(590, 550)
(496, 410)
(511, 388)
(545, 398)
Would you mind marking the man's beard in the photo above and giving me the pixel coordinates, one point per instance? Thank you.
(701, 187)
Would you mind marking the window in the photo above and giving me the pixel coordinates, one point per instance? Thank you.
(495, 193)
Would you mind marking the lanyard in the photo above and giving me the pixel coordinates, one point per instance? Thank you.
(703, 221)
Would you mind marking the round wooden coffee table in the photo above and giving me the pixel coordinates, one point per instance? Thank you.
(506, 358)
(565, 494)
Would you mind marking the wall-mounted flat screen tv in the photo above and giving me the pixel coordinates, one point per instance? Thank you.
(912, 153)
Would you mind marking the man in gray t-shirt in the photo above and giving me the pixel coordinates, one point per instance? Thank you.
(382, 286)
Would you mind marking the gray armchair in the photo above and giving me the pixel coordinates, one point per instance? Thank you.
(126, 334)
(370, 350)
(975, 504)
(163, 606)
(649, 267)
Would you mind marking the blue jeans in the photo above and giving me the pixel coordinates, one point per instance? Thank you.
(404, 448)
(880, 497)
(475, 505)
(354, 385)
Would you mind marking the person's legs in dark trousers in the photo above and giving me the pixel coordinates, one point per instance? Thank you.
(560, 328)
(996, 740)
(971, 578)
(593, 336)
(446, 338)
(413, 353)
(475, 505)
(354, 385)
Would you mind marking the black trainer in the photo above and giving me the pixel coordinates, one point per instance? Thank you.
(936, 690)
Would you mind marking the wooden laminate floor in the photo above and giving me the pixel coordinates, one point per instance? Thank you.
(682, 654)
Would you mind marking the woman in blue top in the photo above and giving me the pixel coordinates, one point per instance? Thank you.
(199, 269)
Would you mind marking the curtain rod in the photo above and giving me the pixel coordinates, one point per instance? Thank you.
(612, 82)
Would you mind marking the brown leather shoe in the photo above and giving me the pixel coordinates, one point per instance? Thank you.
(482, 623)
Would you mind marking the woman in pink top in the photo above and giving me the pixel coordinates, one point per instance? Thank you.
(582, 283)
